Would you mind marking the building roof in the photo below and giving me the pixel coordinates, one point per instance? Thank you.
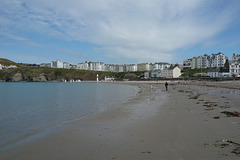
(161, 63)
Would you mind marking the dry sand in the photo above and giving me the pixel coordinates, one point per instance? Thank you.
(184, 123)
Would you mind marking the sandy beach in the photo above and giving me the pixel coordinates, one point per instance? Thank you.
(190, 121)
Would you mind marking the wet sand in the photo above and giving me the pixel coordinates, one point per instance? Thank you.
(183, 123)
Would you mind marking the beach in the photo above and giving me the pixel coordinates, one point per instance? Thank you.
(192, 120)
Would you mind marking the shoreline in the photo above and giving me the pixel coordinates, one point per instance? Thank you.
(46, 130)
(222, 84)
(153, 125)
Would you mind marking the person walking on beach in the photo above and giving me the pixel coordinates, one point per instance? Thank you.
(166, 85)
(150, 86)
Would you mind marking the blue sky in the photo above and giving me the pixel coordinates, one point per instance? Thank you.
(118, 32)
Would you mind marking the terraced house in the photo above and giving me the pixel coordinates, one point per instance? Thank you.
(234, 68)
(208, 61)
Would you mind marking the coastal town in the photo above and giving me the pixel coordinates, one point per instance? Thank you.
(119, 80)
(217, 65)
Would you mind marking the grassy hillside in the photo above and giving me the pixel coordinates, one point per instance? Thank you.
(57, 74)
(7, 62)
(190, 72)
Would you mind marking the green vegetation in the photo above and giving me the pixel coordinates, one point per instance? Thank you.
(58, 74)
(190, 72)
(7, 62)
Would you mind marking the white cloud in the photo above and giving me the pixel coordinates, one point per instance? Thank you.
(137, 29)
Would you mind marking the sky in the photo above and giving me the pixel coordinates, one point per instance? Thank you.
(117, 31)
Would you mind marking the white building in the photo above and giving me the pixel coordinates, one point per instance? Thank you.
(83, 66)
(218, 72)
(235, 57)
(66, 65)
(146, 75)
(160, 65)
(171, 72)
(110, 68)
(234, 68)
(72, 66)
(109, 78)
(196, 62)
(57, 64)
(45, 65)
(215, 72)
(217, 60)
(214, 60)
(151, 67)
(96, 66)
(130, 68)
(206, 61)
(1, 66)
(143, 67)
(11, 66)
(119, 68)
(156, 73)
(187, 64)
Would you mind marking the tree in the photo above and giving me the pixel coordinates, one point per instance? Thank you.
(226, 65)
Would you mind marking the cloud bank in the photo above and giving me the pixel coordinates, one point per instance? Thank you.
(142, 30)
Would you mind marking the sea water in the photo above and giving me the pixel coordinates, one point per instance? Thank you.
(29, 108)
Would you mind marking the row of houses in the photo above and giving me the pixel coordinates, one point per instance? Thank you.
(158, 69)
(231, 68)
(7, 67)
(100, 66)
(206, 61)
(221, 66)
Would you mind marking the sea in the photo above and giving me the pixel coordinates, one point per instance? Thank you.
(28, 108)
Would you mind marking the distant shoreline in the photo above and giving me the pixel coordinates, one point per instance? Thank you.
(223, 84)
